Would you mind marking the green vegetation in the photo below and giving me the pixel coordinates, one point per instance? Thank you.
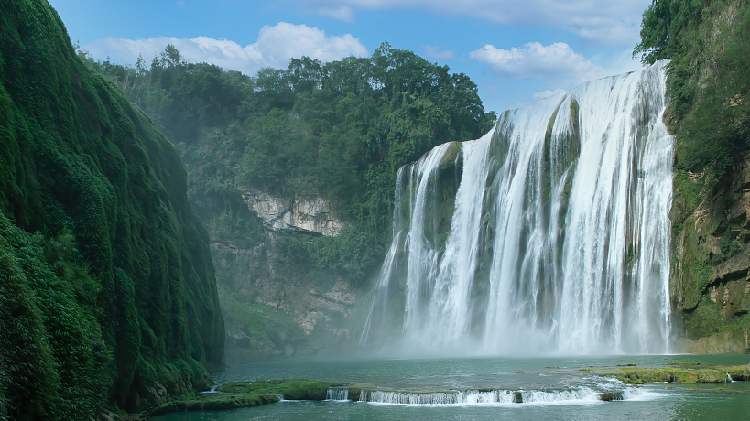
(266, 330)
(242, 394)
(107, 292)
(291, 389)
(677, 372)
(709, 77)
(703, 374)
(53, 358)
(213, 402)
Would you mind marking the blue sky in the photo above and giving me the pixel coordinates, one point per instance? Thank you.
(516, 51)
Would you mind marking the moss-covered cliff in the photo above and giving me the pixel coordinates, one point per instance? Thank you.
(107, 291)
(710, 283)
(709, 84)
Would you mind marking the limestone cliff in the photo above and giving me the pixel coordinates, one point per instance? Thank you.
(709, 113)
(275, 304)
(710, 285)
(311, 214)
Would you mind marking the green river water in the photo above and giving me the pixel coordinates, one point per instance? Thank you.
(552, 388)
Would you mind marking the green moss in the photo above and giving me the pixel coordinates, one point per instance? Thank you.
(298, 389)
(688, 189)
(242, 394)
(679, 374)
(704, 320)
(450, 157)
(39, 377)
(266, 328)
(213, 403)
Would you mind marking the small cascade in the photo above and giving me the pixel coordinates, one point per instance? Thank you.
(494, 397)
(215, 388)
(550, 234)
(334, 394)
(729, 377)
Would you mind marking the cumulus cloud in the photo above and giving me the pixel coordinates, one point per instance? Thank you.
(437, 53)
(556, 61)
(274, 47)
(612, 22)
(610, 35)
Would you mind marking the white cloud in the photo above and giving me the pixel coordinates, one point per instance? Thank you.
(612, 22)
(284, 41)
(618, 62)
(437, 53)
(274, 47)
(340, 12)
(557, 62)
(610, 35)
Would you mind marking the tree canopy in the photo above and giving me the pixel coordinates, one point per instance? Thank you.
(709, 77)
(339, 129)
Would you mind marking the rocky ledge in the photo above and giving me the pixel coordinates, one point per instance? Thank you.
(677, 372)
(242, 394)
(311, 214)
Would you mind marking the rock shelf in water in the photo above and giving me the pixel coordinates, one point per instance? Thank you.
(243, 394)
(676, 373)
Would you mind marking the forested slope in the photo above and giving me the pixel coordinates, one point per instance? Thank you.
(107, 292)
(336, 132)
(707, 43)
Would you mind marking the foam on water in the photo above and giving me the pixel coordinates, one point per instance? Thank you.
(583, 395)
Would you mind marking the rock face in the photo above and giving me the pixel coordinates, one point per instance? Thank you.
(277, 304)
(272, 309)
(274, 306)
(305, 214)
(710, 285)
(735, 342)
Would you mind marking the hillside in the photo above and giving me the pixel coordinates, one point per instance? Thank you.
(107, 291)
(293, 171)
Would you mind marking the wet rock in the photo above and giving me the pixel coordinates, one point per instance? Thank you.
(517, 397)
(611, 396)
(305, 214)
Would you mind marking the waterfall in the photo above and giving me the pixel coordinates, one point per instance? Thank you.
(336, 394)
(581, 394)
(550, 234)
(215, 388)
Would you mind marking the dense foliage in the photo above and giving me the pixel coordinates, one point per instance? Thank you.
(709, 77)
(339, 129)
(107, 292)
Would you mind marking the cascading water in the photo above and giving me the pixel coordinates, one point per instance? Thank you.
(549, 234)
